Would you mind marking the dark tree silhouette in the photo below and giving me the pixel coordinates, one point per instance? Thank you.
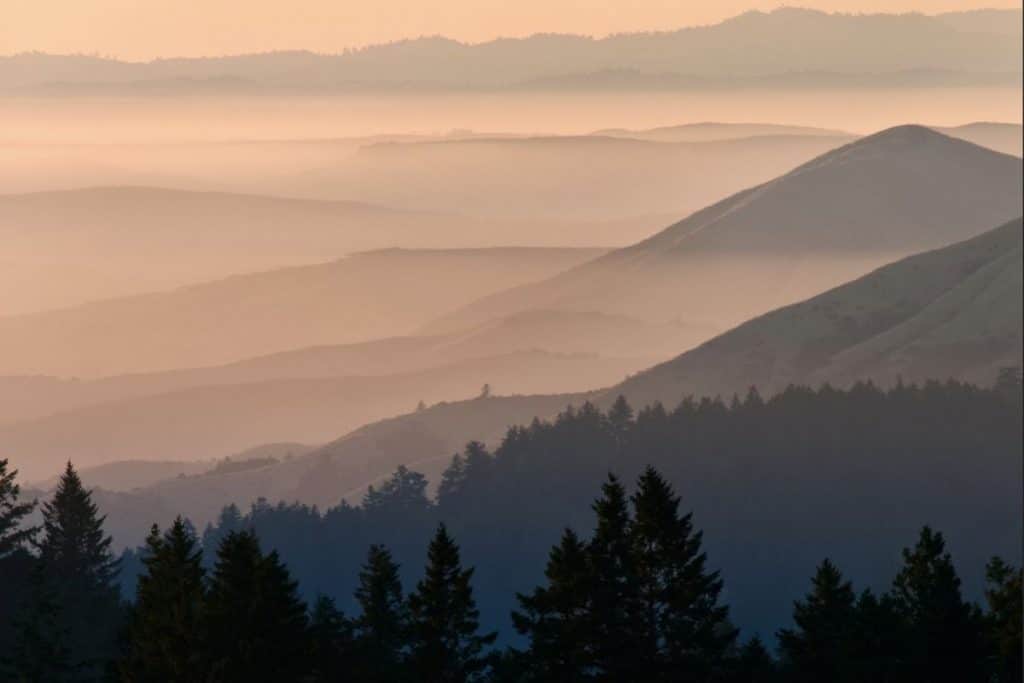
(821, 647)
(685, 630)
(944, 630)
(166, 630)
(557, 618)
(381, 629)
(14, 533)
(255, 623)
(446, 645)
(1005, 607)
(613, 625)
(78, 573)
(331, 642)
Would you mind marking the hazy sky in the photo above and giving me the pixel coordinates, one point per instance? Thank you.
(143, 29)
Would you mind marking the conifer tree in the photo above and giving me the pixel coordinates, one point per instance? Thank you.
(880, 639)
(331, 643)
(820, 648)
(79, 572)
(944, 643)
(255, 623)
(452, 480)
(556, 617)
(381, 629)
(613, 630)
(684, 631)
(753, 664)
(446, 646)
(1003, 596)
(17, 565)
(620, 419)
(405, 492)
(14, 535)
(165, 636)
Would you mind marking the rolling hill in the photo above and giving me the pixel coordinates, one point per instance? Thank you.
(366, 296)
(79, 245)
(952, 312)
(585, 178)
(850, 210)
(207, 421)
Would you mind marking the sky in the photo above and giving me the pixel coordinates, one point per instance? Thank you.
(147, 29)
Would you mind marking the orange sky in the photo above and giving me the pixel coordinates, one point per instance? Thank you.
(143, 29)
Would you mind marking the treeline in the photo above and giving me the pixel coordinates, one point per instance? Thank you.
(635, 601)
(776, 483)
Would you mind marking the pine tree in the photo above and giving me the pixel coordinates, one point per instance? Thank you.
(404, 493)
(255, 623)
(331, 643)
(620, 419)
(14, 535)
(79, 571)
(16, 562)
(444, 621)
(880, 639)
(165, 637)
(944, 630)
(452, 480)
(612, 629)
(1003, 596)
(821, 647)
(753, 664)
(556, 617)
(381, 629)
(684, 631)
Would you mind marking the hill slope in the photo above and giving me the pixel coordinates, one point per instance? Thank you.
(917, 318)
(953, 312)
(116, 241)
(365, 296)
(882, 197)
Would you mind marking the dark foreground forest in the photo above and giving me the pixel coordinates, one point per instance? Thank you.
(534, 563)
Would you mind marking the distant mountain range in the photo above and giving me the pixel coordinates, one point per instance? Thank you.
(801, 47)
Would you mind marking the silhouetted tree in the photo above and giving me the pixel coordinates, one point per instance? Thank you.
(880, 639)
(382, 627)
(79, 572)
(16, 563)
(255, 623)
(405, 492)
(332, 643)
(1005, 607)
(446, 645)
(557, 618)
(944, 630)
(820, 648)
(166, 641)
(753, 664)
(685, 631)
(14, 533)
(614, 630)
